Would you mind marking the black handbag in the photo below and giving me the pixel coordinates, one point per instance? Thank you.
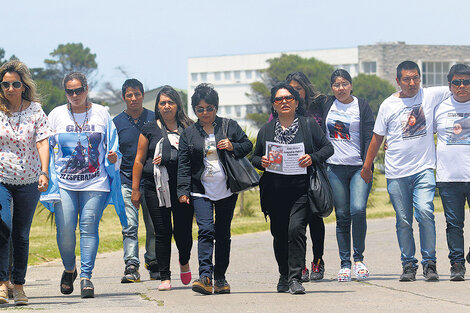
(320, 193)
(240, 173)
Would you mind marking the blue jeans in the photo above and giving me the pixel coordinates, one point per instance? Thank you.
(25, 199)
(210, 231)
(130, 234)
(89, 205)
(414, 191)
(350, 196)
(453, 196)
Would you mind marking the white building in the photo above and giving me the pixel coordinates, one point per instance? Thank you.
(232, 75)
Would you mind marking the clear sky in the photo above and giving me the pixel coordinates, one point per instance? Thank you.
(152, 40)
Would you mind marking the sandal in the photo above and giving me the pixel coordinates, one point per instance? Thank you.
(87, 289)
(344, 274)
(3, 296)
(66, 282)
(361, 271)
(164, 286)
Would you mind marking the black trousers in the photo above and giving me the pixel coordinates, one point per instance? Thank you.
(317, 234)
(181, 229)
(289, 214)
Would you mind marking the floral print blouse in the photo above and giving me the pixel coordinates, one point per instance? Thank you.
(19, 133)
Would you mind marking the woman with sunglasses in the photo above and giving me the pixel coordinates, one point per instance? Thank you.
(284, 197)
(348, 123)
(85, 164)
(156, 163)
(314, 103)
(203, 182)
(24, 174)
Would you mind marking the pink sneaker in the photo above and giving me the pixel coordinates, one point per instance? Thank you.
(185, 277)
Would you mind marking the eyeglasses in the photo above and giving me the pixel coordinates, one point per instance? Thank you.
(207, 109)
(16, 84)
(338, 85)
(287, 99)
(459, 82)
(77, 91)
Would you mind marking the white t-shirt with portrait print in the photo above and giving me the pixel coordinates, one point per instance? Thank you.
(342, 130)
(408, 125)
(452, 123)
(213, 178)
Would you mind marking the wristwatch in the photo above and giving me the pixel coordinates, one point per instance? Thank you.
(44, 173)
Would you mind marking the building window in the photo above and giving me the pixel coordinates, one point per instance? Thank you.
(250, 109)
(435, 73)
(258, 74)
(228, 109)
(248, 74)
(218, 75)
(194, 77)
(237, 75)
(203, 77)
(369, 68)
(228, 75)
(238, 111)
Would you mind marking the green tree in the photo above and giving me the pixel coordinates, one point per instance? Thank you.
(51, 96)
(317, 71)
(372, 88)
(71, 57)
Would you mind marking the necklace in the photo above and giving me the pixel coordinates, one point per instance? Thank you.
(19, 119)
(85, 122)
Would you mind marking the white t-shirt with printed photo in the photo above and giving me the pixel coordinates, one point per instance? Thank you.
(452, 123)
(80, 156)
(408, 125)
(342, 130)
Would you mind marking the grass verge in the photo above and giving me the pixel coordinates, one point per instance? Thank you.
(43, 246)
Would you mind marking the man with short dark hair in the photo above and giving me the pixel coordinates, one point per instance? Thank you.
(406, 119)
(452, 123)
(129, 124)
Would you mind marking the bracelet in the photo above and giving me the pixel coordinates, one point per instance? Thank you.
(45, 174)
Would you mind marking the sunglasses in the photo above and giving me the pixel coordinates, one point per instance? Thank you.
(16, 84)
(459, 82)
(208, 109)
(77, 91)
(288, 99)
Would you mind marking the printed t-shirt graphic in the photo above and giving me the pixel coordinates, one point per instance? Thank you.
(458, 129)
(414, 122)
(338, 125)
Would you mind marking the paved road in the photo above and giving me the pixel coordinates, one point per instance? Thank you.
(253, 277)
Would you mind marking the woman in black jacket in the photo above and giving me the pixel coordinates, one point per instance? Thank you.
(202, 180)
(348, 123)
(156, 162)
(283, 196)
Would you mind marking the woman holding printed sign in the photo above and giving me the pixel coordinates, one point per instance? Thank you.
(283, 195)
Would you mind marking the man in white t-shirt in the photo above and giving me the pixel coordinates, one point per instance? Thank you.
(452, 123)
(406, 119)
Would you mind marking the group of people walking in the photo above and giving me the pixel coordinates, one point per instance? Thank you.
(79, 160)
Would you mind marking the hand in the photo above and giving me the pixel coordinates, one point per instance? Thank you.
(305, 160)
(265, 162)
(385, 145)
(112, 157)
(43, 183)
(135, 198)
(225, 144)
(366, 175)
(184, 199)
(157, 160)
